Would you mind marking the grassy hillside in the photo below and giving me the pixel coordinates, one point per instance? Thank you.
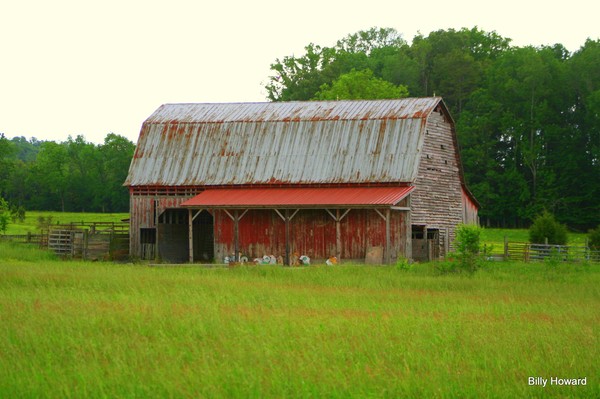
(77, 329)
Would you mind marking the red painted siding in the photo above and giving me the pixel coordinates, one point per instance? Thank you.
(313, 233)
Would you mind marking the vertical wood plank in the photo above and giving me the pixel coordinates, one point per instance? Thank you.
(338, 236)
(190, 236)
(287, 237)
(388, 247)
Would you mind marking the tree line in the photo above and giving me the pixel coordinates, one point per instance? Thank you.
(74, 175)
(528, 118)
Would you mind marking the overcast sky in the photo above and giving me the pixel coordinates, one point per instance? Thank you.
(72, 67)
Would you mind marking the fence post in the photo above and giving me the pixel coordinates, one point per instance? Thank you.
(84, 249)
(505, 248)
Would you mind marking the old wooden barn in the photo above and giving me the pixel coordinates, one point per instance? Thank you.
(360, 180)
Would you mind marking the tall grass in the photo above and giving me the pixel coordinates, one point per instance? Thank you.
(79, 329)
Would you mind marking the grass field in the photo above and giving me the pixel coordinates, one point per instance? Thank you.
(76, 329)
(495, 237)
(30, 224)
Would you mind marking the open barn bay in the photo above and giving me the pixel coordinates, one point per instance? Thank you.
(76, 329)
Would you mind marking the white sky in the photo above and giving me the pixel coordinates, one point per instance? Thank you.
(70, 67)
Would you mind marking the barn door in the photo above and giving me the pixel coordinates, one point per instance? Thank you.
(425, 243)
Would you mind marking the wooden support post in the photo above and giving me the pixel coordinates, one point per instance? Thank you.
(191, 236)
(388, 238)
(287, 237)
(236, 234)
(236, 217)
(338, 230)
(426, 244)
(338, 236)
(505, 248)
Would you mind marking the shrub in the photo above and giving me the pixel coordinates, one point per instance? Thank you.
(403, 264)
(468, 247)
(546, 227)
(594, 238)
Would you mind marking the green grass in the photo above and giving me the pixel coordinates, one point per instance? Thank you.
(77, 329)
(495, 237)
(30, 224)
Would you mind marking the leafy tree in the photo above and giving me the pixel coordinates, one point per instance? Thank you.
(50, 177)
(115, 154)
(367, 41)
(545, 227)
(360, 85)
(26, 150)
(453, 63)
(6, 164)
(300, 78)
(4, 215)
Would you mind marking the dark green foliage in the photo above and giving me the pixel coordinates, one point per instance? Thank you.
(17, 213)
(74, 175)
(545, 227)
(594, 239)
(360, 85)
(4, 215)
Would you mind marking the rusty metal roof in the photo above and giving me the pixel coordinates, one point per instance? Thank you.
(328, 197)
(294, 111)
(312, 142)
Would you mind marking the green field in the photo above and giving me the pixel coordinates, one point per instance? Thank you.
(30, 224)
(77, 329)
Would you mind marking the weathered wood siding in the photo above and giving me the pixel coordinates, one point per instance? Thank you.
(313, 233)
(144, 212)
(469, 209)
(437, 198)
(262, 232)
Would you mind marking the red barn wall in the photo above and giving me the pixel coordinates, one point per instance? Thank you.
(313, 233)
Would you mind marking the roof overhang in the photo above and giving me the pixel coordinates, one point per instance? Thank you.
(309, 198)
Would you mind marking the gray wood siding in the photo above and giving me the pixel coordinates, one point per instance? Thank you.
(437, 198)
(143, 211)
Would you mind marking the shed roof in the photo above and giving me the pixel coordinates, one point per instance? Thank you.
(317, 142)
(319, 197)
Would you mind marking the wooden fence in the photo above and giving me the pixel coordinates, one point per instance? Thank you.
(525, 251)
(28, 238)
(92, 241)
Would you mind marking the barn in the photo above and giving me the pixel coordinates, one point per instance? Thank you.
(366, 181)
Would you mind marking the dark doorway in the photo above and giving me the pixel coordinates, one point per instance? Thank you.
(148, 243)
(173, 236)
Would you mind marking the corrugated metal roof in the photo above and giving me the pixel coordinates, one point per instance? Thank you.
(294, 111)
(284, 143)
(299, 197)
